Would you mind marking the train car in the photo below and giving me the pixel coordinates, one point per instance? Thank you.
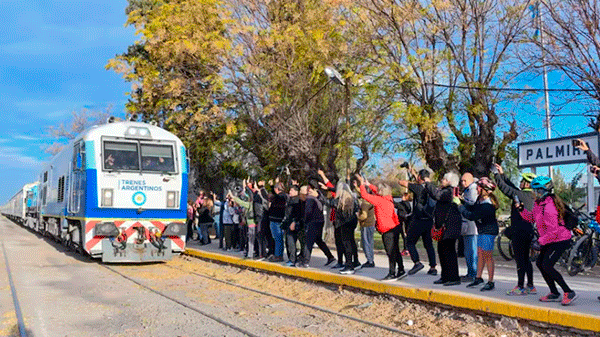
(17, 208)
(117, 192)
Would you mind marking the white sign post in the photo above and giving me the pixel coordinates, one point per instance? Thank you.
(560, 151)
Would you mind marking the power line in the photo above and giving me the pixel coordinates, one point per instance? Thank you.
(506, 89)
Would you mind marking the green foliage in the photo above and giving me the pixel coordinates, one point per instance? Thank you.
(242, 82)
(569, 192)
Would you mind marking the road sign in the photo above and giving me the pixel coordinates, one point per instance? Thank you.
(556, 151)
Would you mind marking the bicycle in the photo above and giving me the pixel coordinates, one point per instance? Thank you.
(585, 252)
(504, 245)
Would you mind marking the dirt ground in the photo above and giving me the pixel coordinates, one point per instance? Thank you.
(421, 319)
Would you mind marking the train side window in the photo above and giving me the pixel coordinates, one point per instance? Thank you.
(79, 157)
(46, 176)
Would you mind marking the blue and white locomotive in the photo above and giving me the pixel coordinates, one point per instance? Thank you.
(118, 192)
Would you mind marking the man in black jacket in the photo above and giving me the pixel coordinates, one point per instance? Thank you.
(420, 222)
(292, 223)
(260, 206)
(313, 224)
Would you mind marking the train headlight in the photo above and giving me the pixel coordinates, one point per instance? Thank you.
(106, 229)
(107, 197)
(137, 132)
(172, 197)
(175, 229)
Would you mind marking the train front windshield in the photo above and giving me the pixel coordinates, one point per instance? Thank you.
(157, 158)
(126, 156)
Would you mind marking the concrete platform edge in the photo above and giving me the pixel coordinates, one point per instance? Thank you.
(450, 298)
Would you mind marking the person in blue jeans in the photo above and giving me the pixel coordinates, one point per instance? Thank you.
(276, 215)
(366, 221)
(468, 228)
(484, 215)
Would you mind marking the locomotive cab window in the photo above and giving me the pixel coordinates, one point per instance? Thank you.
(157, 158)
(120, 156)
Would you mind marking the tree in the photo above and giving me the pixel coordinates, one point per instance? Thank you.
(569, 192)
(81, 120)
(464, 43)
(571, 41)
(175, 71)
(286, 110)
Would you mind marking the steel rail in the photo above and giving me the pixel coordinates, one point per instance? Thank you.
(201, 312)
(314, 307)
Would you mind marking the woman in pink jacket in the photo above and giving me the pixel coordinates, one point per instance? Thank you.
(547, 214)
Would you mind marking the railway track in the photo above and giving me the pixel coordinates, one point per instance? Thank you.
(255, 291)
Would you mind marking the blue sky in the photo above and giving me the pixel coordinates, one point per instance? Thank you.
(52, 58)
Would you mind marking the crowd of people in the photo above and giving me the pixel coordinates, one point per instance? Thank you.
(281, 222)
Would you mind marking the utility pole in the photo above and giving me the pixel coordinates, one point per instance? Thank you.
(545, 76)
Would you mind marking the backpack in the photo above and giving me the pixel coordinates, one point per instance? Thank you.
(570, 218)
(429, 208)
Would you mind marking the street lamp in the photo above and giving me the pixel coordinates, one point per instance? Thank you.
(336, 77)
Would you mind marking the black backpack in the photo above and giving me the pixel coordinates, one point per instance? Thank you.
(570, 218)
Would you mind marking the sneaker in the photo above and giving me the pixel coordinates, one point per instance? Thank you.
(400, 275)
(477, 281)
(418, 266)
(390, 277)
(440, 281)
(356, 265)
(276, 259)
(467, 279)
(368, 265)
(330, 261)
(452, 283)
(568, 298)
(405, 253)
(337, 266)
(517, 291)
(550, 298)
(531, 290)
(432, 271)
(261, 258)
(488, 286)
(347, 270)
(290, 263)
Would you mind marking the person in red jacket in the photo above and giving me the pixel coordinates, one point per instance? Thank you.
(388, 225)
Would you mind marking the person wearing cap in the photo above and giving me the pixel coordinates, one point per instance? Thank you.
(520, 232)
(548, 215)
(483, 212)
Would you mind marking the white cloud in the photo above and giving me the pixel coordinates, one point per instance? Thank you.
(26, 137)
(13, 157)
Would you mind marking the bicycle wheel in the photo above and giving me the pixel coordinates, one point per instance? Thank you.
(504, 246)
(579, 255)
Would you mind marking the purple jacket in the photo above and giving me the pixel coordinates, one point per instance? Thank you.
(545, 217)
